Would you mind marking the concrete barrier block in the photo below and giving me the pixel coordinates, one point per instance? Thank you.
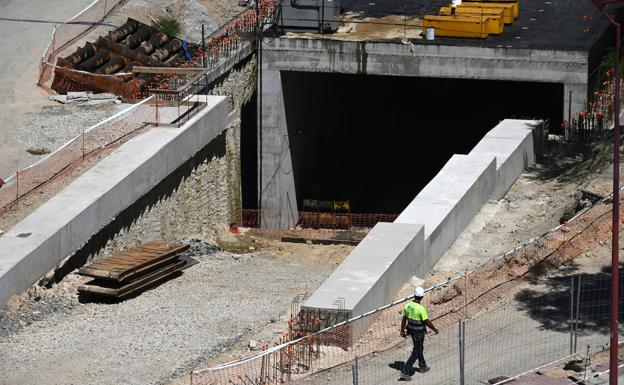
(372, 274)
(385, 258)
(514, 143)
(449, 202)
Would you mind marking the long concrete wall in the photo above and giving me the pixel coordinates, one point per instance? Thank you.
(67, 221)
(276, 182)
(391, 253)
(449, 202)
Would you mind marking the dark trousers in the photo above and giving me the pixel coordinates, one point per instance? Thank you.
(417, 353)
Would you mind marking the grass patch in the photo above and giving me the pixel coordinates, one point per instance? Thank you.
(167, 24)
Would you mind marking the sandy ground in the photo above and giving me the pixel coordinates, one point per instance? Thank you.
(26, 27)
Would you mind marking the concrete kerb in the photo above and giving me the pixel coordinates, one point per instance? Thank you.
(67, 221)
(444, 207)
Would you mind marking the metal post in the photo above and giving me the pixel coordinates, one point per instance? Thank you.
(203, 62)
(322, 31)
(578, 306)
(571, 315)
(354, 371)
(569, 117)
(83, 146)
(615, 231)
(462, 356)
(259, 104)
(17, 187)
(615, 248)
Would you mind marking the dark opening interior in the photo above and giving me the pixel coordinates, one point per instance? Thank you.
(378, 140)
(249, 153)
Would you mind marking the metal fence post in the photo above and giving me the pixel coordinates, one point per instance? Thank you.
(571, 315)
(354, 371)
(462, 343)
(578, 306)
(17, 187)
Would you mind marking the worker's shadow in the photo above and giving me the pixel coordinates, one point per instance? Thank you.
(398, 365)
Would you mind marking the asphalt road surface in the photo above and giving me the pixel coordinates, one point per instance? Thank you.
(26, 28)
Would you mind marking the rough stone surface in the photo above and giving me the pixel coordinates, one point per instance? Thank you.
(209, 199)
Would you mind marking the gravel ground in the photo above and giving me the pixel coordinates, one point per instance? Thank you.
(190, 13)
(49, 127)
(159, 334)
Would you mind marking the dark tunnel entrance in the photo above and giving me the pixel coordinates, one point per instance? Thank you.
(378, 140)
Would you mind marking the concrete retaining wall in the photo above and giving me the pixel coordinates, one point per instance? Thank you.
(515, 144)
(66, 222)
(449, 202)
(374, 272)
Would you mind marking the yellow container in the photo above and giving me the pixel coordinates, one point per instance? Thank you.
(509, 9)
(464, 26)
(446, 11)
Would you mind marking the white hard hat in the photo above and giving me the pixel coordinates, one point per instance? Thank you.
(419, 292)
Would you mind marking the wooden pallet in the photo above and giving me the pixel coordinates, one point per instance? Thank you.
(122, 290)
(133, 262)
(133, 270)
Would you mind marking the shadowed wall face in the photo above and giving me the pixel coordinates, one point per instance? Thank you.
(378, 140)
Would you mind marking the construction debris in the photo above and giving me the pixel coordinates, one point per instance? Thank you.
(86, 98)
(106, 64)
(133, 270)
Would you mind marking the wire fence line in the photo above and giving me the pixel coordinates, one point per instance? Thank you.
(523, 328)
(105, 133)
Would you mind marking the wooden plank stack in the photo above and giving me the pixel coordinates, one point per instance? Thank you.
(133, 270)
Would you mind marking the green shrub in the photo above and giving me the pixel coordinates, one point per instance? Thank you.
(168, 25)
(608, 60)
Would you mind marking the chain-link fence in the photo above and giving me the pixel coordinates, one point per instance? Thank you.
(103, 134)
(499, 319)
(67, 32)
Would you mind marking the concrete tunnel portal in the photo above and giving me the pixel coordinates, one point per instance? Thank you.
(378, 140)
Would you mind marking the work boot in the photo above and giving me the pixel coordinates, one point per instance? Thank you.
(405, 377)
(424, 369)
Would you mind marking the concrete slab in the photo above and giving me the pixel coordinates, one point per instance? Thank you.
(449, 202)
(371, 275)
(67, 221)
(389, 253)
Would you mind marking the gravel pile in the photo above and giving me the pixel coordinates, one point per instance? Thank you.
(50, 127)
(161, 333)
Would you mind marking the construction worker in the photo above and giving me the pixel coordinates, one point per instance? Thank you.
(416, 319)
